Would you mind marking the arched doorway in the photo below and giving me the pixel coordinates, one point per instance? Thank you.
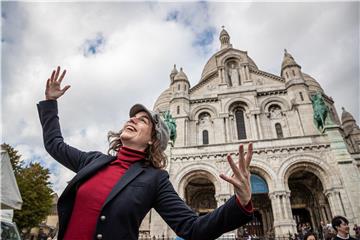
(262, 223)
(200, 195)
(308, 203)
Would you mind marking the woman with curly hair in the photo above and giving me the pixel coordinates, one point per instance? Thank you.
(111, 193)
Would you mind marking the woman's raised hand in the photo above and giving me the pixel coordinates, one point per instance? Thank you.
(53, 90)
(241, 176)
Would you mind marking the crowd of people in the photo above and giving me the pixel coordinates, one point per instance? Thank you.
(338, 229)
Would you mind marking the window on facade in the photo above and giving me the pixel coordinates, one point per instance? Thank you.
(179, 87)
(279, 132)
(178, 109)
(258, 184)
(301, 96)
(184, 87)
(205, 137)
(293, 72)
(240, 123)
(287, 75)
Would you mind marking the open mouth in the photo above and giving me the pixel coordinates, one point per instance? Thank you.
(130, 128)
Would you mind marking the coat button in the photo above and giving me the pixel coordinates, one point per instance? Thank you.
(99, 236)
(102, 218)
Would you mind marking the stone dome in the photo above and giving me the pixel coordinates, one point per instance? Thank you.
(224, 33)
(162, 104)
(314, 86)
(174, 71)
(180, 76)
(346, 116)
(288, 61)
(211, 66)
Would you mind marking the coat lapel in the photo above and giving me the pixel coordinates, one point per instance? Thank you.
(88, 170)
(129, 175)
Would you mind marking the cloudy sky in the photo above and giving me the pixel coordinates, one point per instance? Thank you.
(118, 53)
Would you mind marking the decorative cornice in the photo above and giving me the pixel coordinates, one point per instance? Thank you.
(258, 151)
(272, 92)
(266, 74)
(203, 82)
(203, 100)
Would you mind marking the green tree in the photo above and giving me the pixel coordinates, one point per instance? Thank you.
(34, 185)
(14, 157)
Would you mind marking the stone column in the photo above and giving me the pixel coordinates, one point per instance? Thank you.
(328, 211)
(323, 214)
(246, 71)
(222, 76)
(289, 206)
(334, 201)
(283, 222)
(299, 120)
(227, 129)
(254, 128)
(231, 128)
(259, 126)
(251, 121)
(276, 211)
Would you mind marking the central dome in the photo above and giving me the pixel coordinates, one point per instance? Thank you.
(226, 52)
(212, 65)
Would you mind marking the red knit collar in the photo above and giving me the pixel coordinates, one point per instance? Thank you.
(130, 155)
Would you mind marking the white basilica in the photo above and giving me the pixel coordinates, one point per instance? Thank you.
(299, 173)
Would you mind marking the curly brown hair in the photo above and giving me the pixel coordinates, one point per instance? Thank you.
(154, 155)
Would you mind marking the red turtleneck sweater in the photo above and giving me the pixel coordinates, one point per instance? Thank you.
(92, 194)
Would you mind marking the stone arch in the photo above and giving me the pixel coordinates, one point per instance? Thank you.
(266, 103)
(261, 168)
(203, 108)
(229, 57)
(310, 163)
(249, 105)
(206, 125)
(194, 170)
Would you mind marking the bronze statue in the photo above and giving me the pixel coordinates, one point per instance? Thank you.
(320, 110)
(171, 123)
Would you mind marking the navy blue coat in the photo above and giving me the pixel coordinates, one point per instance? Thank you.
(141, 188)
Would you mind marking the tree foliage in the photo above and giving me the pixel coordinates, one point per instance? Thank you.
(14, 157)
(34, 185)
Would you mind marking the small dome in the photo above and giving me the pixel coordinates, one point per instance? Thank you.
(346, 116)
(313, 85)
(224, 33)
(224, 39)
(180, 76)
(288, 61)
(174, 71)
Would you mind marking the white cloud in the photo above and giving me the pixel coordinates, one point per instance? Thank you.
(140, 47)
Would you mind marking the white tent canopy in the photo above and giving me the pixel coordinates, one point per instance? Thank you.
(10, 194)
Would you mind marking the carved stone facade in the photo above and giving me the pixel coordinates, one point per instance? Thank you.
(305, 175)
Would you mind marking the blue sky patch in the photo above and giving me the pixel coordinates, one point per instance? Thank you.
(173, 16)
(94, 46)
(205, 37)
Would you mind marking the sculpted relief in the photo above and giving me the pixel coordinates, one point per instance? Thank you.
(232, 74)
